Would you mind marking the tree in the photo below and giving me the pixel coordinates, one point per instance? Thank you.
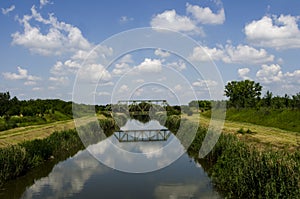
(4, 103)
(243, 93)
(268, 99)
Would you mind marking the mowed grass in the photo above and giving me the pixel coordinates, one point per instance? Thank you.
(21, 134)
(261, 137)
(286, 119)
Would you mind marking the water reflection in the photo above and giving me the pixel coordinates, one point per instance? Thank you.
(82, 176)
(138, 148)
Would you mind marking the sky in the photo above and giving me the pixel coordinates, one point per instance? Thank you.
(104, 51)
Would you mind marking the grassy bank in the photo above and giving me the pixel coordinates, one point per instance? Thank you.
(286, 119)
(241, 171)
(16, 160)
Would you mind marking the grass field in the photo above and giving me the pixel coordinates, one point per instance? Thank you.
(262, 136)
(286, 119)
(18, 135)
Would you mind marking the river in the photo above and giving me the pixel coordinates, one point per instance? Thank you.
(84, 176)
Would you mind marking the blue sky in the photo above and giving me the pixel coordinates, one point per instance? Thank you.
(45, 44)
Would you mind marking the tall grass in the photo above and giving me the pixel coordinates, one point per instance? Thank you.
(240, 171)
(18, 159)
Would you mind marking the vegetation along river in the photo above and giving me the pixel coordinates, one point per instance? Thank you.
(83, 176)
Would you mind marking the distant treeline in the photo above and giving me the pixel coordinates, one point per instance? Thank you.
(13, 106)
(247, 94)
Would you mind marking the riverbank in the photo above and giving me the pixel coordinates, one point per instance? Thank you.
(261, 137)
(240, 169)
(17, 159)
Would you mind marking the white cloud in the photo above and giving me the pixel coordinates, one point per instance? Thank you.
(65, 68)
(103, 93)
(94, 73)
(179, 65)
(276, 80)
(125, 19)
(241, 54)
(120, 69)
(243, 72)
(246, 55)
(205, 83)
(44, 2)
(21, 75)
(29, 83)
(6, 11)
(270, 73)
(161, 53)
(150, 65)
(169, 19)
(205, 54)
(122, 66)
(205, 15)
(37, 89)
(277, 32)
(59, 80)
(124, 88)
(59, 38)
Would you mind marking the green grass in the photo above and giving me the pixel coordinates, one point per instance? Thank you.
(240, 171)
(15, 160)
(17, 121)
(286, 119)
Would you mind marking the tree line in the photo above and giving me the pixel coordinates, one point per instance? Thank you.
(247, 94)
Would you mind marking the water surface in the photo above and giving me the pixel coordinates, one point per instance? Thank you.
(82, 176)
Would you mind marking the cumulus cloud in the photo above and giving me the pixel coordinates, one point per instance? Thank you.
(179, 65)
(205, 15)
(189, 23)
(150, 65)
(246, 54)
(59, 38)
(243, 72)
(22, 74)
(241, 54)
(6, 11)
(273, 76)
(277, 32)
(270, 73)
(169, 19)
(205, 53)
(123, 65)
(94, 73)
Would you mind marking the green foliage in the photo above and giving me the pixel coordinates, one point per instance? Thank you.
(243, 93)
(286, 119)
(18, 159)
(4, 103)
(239, 171)
(201, 104)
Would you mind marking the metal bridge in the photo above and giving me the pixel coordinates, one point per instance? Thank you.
(149, 135)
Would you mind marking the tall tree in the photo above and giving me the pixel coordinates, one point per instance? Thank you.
(268, 98)
(4, 103)
(243, 93)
